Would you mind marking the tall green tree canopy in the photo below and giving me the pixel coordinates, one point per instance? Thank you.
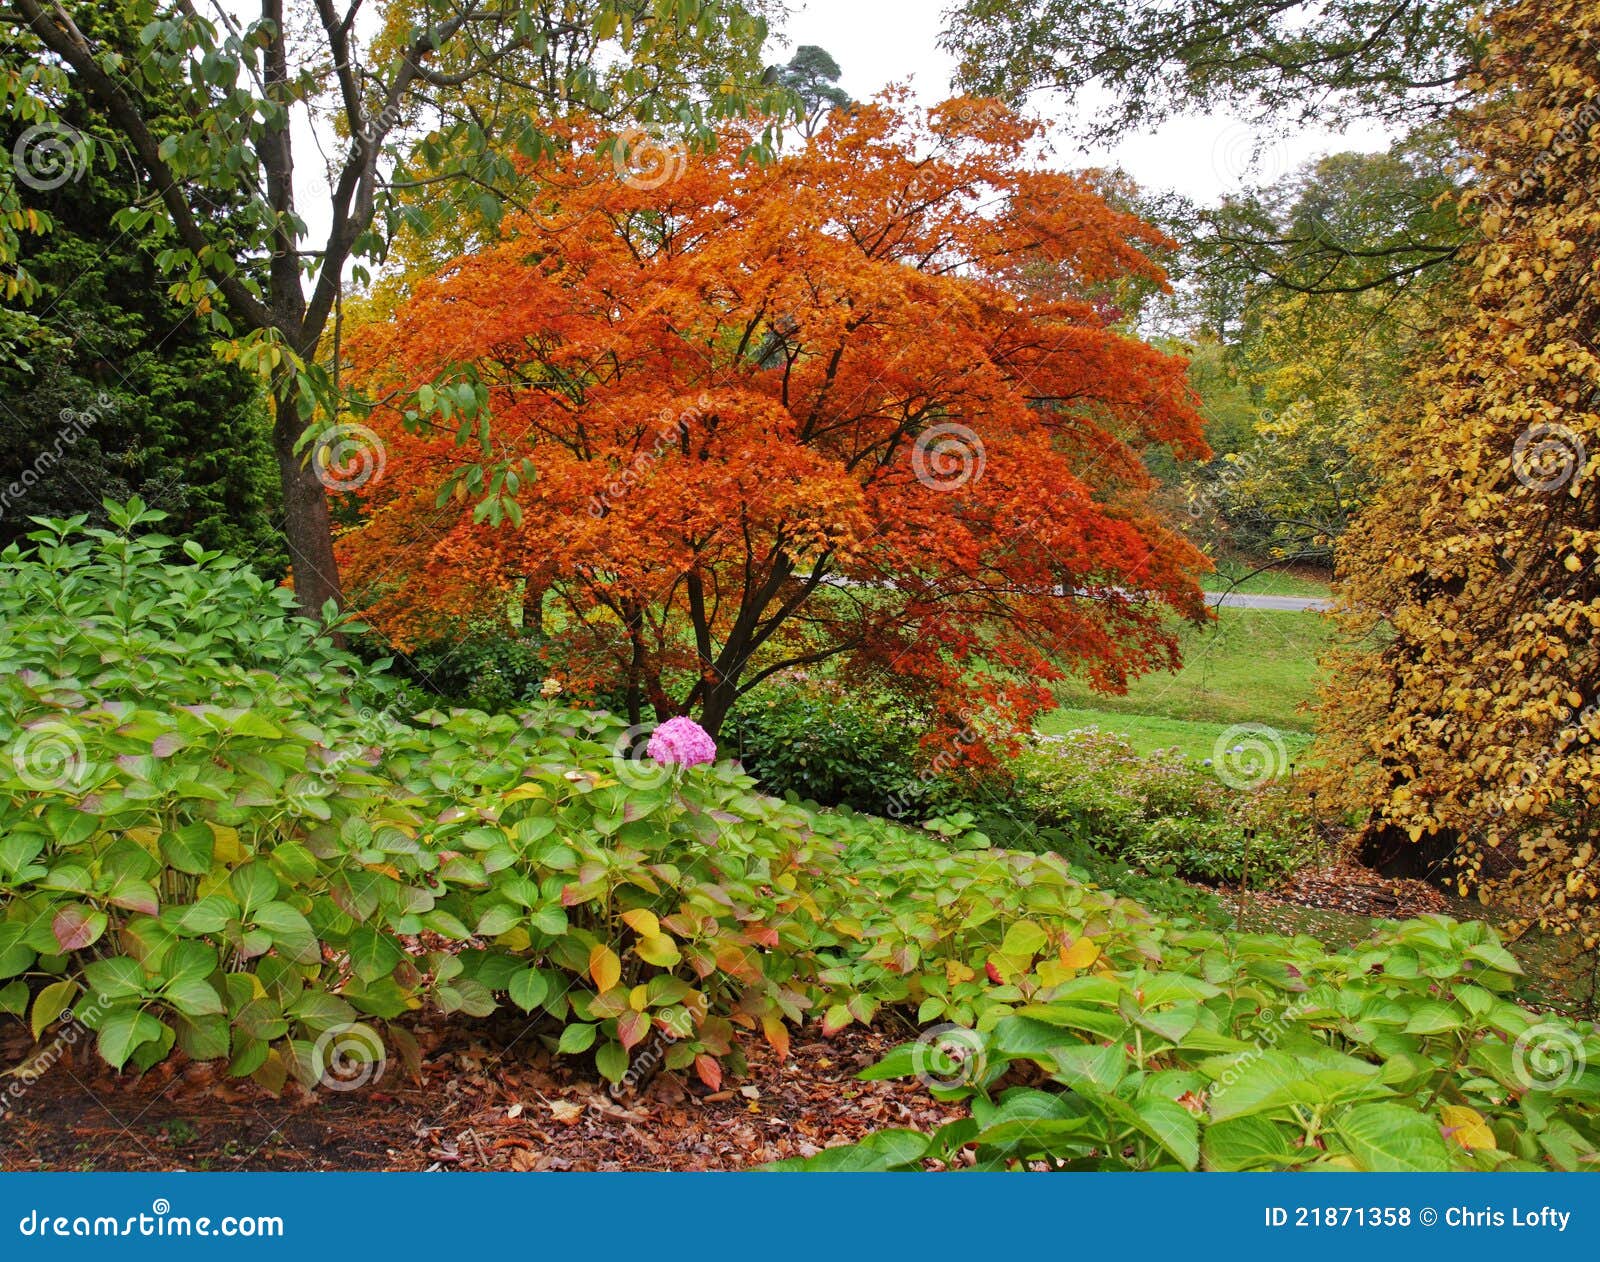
(1329, 60)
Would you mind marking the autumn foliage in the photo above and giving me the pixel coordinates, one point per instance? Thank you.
(869, 404)
(1467, 722)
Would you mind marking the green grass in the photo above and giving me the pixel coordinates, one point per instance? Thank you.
(1250, 666)
(1148, 733)
(1276, 582)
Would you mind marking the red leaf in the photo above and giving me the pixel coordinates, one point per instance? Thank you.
(709, 1070)
(76, 927)
(762, 935)
(631, 1028)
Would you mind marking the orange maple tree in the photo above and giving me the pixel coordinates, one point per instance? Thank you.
(867, 404)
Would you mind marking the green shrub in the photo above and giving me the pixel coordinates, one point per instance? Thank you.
(1160, 812)
(823, 744)
(483, 667)
(217, 834)
(1255, 1052)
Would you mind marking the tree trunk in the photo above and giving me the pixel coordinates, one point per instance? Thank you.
(1390, 852)
(307, 528)
(719, 704)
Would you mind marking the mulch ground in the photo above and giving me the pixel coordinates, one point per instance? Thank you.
(491, 1097)
(1358, 891)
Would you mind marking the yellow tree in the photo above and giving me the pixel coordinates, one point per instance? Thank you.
(1468, 694)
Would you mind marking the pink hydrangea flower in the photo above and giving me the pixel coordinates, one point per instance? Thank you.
(682, 741)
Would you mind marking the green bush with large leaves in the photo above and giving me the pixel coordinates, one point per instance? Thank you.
(219, 835)
(1257, 1052)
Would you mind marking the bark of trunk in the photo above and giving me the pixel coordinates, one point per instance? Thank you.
(719, 703)
(307, 527)
(1391, 852)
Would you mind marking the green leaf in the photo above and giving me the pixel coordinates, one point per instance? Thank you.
(1495, 956)
(373, 954)
(291, 934)
(189, 848)
(1248, 1143)
(612, 1062)
(1085, 1065)
(528, 989)
(254, 884)
(194, 997)
(1391, 1137)
(576, 1038)
(1253, 1082)
(119, 977)
(1023, 939)
(50, 1003)
(123, 1031)
(14, 998)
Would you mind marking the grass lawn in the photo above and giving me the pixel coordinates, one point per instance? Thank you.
(1289, 581)
(1148, 733)
(1250, 666)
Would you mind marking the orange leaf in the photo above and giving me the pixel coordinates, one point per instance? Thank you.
(604, 967)
(709, 1071)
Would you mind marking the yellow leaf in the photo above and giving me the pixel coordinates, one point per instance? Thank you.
(777, 1035)
(1466, 1126)
(227, 849)
(1080, 954)
(523, 792)
(956, 972)
(642, 922)
(605, 968)
(50, 1003)
(1054, 972)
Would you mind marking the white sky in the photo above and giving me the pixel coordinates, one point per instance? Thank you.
(878, 42)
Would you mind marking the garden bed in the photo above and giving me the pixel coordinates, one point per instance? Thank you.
(489, 1098)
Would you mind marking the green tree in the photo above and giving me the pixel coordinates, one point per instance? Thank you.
(238, 82)
(812, 75)
(1330, 60)
(110, 389)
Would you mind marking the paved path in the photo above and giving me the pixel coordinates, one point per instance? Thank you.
(1249, 600)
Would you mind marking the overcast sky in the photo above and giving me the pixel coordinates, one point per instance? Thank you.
(878, 42)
